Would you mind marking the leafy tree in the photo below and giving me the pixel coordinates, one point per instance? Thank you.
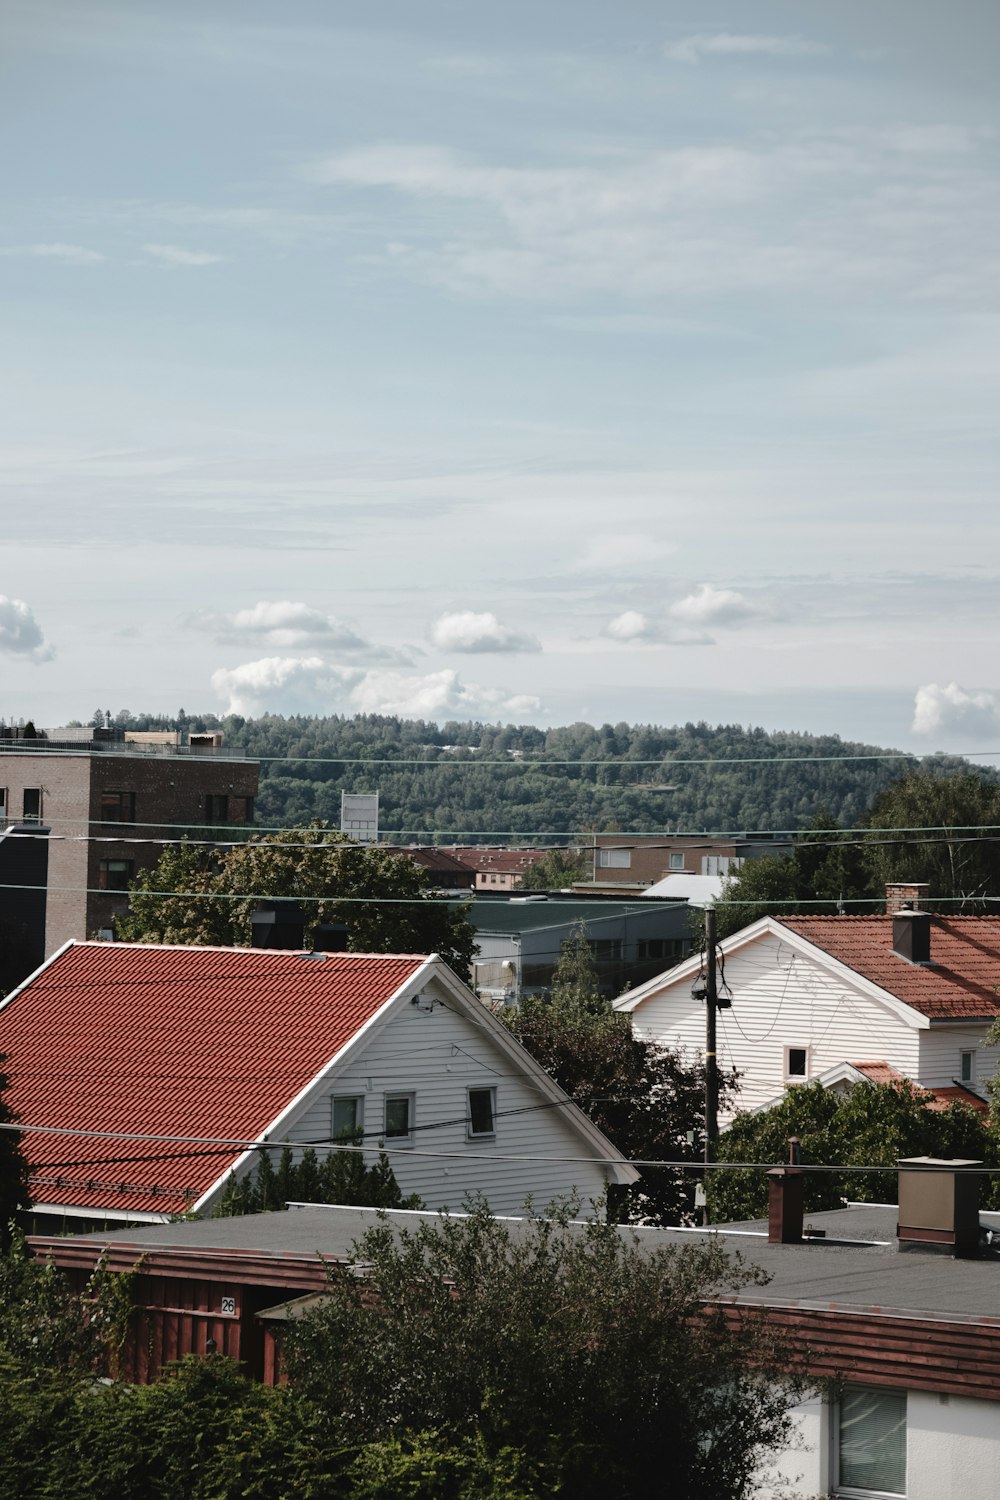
(14, 1194)
(826, 866)
(341, 1177)
(944, 819)
(45, 1325)
(869, 1124)
(646, 1099)
(588, 1352)
(197, 895)
(556, 870)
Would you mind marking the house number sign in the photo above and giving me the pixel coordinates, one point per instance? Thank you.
(229, 1307)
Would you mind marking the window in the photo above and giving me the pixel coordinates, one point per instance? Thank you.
(348, 1115)
(32, 805)
(677, 861)
(216, 807)
(871, 1442)
(658, 948)
(796, 1064)
(614, 859)
(3, 805)
(399, 1117)
(115, 874)
(967, 1067)
(482, 1112)
(605, 950)
(118, 807)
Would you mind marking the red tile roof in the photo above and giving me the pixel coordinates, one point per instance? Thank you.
(211, 1042)
(883, 1072)
(507, 861)
(961, 983)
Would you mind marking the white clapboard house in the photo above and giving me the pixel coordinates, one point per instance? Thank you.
(154, 1072)
(839, 998)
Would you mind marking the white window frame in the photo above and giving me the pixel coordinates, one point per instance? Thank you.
(790, 1077)
(35, 817)
(676, 861)
(853, 1492)
(481, 1135)
(359, 1112)
(411, 1109)
(613, 859)
(970, 1053)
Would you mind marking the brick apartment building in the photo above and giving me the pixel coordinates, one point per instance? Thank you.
(641, 860)
(106, 800)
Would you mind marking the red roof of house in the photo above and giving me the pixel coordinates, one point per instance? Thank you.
(883, 1072)
(961, 983)
(208, 1042)
(508, 861)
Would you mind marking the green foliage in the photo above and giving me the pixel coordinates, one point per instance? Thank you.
(590, 1354)
(196, 895)
(824, 869)
(556, 870)
(645, 1098)
(14, 1195)
(947, 815)
(44, 1325)
(869, 1124)
(340, 1177)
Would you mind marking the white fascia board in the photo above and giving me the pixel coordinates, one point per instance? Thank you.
(689, 968)
(68, 1211)
(774, 927)
(843, 1072)
(306, 1096)
(45, 964)
(532, 1070)
(848, 976)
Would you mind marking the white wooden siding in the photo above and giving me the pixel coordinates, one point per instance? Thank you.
(437, 1056)
(781, 999)
(941, 1061)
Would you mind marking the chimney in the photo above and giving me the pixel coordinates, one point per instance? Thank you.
(279, 924)
(785, 1189)
(938, 1204)
(904, 895)
(911, 936)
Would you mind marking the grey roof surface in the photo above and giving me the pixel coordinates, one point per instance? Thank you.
(527, 916)
(849, 1273)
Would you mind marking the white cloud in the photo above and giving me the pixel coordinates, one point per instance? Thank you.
(711, 606)
(283, 623)
(20, 633)
(311, 685)
(467, 631)
(691, 49)
(78, 255)
(632, 626)
(176, 255)
(954, 710)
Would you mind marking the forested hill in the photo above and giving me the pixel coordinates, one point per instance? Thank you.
(479, 781)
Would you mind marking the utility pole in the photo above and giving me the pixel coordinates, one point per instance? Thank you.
(711, 992)
(711, 1064)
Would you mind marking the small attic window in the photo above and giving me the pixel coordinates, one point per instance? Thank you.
(796, 1064)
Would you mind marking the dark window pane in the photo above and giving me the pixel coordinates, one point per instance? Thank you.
(480, 1111)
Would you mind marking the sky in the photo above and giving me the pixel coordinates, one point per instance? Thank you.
(537, 362)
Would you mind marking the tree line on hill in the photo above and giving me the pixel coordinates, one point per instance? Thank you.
(477, 781)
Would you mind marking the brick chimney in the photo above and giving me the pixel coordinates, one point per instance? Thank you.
(902, 895)
(785, 1192)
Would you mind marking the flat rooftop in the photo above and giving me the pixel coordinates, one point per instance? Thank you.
(857, 1268)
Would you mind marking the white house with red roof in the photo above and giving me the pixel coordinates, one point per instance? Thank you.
(144, 1076)
(910, 995)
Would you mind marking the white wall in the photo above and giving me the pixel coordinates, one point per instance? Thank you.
(438, 1055)
(952, 1451)
(781, 998)
(940, 1060)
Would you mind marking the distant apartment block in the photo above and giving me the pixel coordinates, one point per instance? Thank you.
(642, 859)
(109, 801)
(498, 869)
